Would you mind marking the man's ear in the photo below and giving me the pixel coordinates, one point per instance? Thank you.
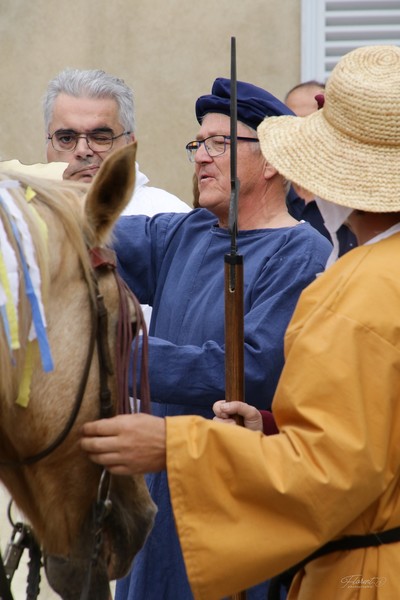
(269, 171)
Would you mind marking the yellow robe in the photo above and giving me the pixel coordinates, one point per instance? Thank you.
(248, 506)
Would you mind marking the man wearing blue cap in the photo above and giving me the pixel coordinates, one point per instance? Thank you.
(176, 264)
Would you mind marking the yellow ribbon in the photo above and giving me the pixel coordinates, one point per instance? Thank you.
(29, 193)
(26, 380)
(10, 307)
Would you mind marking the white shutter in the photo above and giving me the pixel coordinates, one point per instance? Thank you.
(331, 28)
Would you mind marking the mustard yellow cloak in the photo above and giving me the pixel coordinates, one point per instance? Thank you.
(248, 506)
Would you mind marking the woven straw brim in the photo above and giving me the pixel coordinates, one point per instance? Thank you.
(334, 166)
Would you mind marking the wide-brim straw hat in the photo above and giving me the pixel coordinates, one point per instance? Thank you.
(349, 151)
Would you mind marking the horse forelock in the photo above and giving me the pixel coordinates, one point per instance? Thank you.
(65, 203)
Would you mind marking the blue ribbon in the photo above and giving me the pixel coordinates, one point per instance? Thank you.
(45, 353)
(4, 318)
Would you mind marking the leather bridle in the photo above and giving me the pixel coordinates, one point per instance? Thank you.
(103, 259)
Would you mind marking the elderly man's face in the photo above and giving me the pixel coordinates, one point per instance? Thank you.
(84, 116)
(213, 173)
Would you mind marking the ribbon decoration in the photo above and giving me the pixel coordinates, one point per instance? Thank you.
(9, 279)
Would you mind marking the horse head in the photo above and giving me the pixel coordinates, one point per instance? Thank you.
(51, 382)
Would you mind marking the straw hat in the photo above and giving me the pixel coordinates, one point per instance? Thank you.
(349, 151)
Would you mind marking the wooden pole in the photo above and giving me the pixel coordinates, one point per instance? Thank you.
(234, 300)
(234, 328)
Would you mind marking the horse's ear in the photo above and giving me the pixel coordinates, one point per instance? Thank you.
(111, 191)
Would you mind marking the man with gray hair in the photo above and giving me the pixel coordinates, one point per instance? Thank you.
(88, 114)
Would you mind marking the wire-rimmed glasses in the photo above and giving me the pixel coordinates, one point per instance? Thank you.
(215, 145)
(66, 140)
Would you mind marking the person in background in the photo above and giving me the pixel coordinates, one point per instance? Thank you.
(324, 493)
(304, 99)
(177, 261)
(87, 115)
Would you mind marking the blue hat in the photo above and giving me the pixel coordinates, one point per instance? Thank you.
(253, 103)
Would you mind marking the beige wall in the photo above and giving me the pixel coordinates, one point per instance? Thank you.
(168, 51)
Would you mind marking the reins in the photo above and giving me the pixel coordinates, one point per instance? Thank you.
(105, 258)
(21, 539)
(101, 510)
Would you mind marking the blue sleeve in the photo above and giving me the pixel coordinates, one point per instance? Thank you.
(195, 375)
(140, 242)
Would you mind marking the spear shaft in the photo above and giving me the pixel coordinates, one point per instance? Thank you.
(234, 303)
(234, 313)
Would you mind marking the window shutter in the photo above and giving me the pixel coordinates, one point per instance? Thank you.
(331, 28)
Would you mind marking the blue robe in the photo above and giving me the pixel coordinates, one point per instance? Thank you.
(175, 263)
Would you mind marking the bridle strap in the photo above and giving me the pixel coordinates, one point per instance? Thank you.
(101, 510)
(75, 410)
(105, 258)
(5, 589)
(105, 364)
(34, 566)
(102, 258)
(124, 348)
(22, 539)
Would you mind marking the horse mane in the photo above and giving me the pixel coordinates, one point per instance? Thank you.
(65, 200)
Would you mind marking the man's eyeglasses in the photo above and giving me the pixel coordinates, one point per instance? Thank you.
(215, 145)
(65, 140)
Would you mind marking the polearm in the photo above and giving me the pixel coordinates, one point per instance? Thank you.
(234, 313)
(234, 317)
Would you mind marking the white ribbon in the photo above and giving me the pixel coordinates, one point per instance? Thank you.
(31, 271)
(29, 253)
